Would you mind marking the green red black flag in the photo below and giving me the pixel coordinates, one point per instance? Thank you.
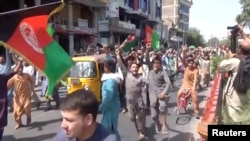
(25, 32)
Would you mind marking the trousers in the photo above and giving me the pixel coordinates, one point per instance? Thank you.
(1, 134)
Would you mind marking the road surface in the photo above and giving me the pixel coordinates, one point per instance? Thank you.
(45, 124)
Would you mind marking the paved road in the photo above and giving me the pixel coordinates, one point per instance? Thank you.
(46, 124)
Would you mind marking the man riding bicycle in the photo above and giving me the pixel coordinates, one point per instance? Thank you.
(189, 81)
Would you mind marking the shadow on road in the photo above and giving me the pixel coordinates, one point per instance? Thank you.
(172, 105)
(39, 125)
(151, 133)
(201, 97)
(181, 137)
(184, 119)
(37, 138)
(154, 139)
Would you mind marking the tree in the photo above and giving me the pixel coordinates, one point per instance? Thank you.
(225, 42)
(213, 42)
(245, 14)
(194, 37)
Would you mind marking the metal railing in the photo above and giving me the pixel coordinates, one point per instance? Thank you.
(212, 111)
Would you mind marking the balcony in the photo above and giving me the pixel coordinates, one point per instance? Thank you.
(187, 2)
(138, 13)
(184, 19)
(80, 27)
(126, 25)
(92, 3)
(116, 26)
(122, 4)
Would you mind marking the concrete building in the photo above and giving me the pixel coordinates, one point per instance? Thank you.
(129, 18)
(175, 14)
(85, 22)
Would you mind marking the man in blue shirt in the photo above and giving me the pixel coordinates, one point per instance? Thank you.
(5, 67)
(79, 112)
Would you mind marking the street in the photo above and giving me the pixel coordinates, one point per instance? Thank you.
(46, 124)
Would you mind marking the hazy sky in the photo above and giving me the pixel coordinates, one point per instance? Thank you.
(212, 17)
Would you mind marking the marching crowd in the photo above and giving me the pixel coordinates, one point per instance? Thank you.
(134, 83)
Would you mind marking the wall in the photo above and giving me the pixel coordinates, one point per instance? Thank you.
(63, 14)
(167, 2)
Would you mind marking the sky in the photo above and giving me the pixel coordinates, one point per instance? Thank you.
(212, 17)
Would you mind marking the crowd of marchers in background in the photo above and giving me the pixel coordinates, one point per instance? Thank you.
(135, 83)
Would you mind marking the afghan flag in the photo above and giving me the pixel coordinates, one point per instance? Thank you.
(155, 41)
(148, 34)
(25, 32)
(132, 42)
(151, 36)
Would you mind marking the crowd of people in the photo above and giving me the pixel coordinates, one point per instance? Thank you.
(134, 83)
(148, 76)
(17, 87)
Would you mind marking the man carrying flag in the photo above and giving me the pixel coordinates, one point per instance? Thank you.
(25, 32)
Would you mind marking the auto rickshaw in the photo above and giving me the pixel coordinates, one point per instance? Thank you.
(86, 74)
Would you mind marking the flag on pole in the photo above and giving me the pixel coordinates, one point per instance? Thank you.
(155, 41)
(148, 34)
(132, 42)
(26, 32)
(151, 36)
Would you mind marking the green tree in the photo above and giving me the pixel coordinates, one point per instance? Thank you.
(194, 37)
(225, 42)
(245, 14)
(213, 42)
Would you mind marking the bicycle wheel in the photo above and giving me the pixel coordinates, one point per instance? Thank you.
(178, 111)
(188, 105)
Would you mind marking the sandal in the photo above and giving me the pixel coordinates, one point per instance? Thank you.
(18, 126)
(157, 130)
(142, 137)
(164, 130)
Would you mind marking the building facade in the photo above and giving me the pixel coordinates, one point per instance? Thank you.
(176, 16)
(128, 19)
(82, 23)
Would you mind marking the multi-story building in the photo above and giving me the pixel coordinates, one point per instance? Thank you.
(176, 16)
(84, 22)
(129, 18)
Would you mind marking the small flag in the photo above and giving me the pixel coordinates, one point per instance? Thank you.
(132, 42)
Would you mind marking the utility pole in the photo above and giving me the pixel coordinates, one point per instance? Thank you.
(70, 27)
(161, 31)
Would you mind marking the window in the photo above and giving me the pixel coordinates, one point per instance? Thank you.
(125, 2)
(184, 9)
(184, 26)
(158, 11)
(149, 6)
(85, 69)
(184, 18)
(131, 3)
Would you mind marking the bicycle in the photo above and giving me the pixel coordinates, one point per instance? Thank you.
(185, 103)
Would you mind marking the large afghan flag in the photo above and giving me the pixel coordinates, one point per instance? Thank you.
(25, 32)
